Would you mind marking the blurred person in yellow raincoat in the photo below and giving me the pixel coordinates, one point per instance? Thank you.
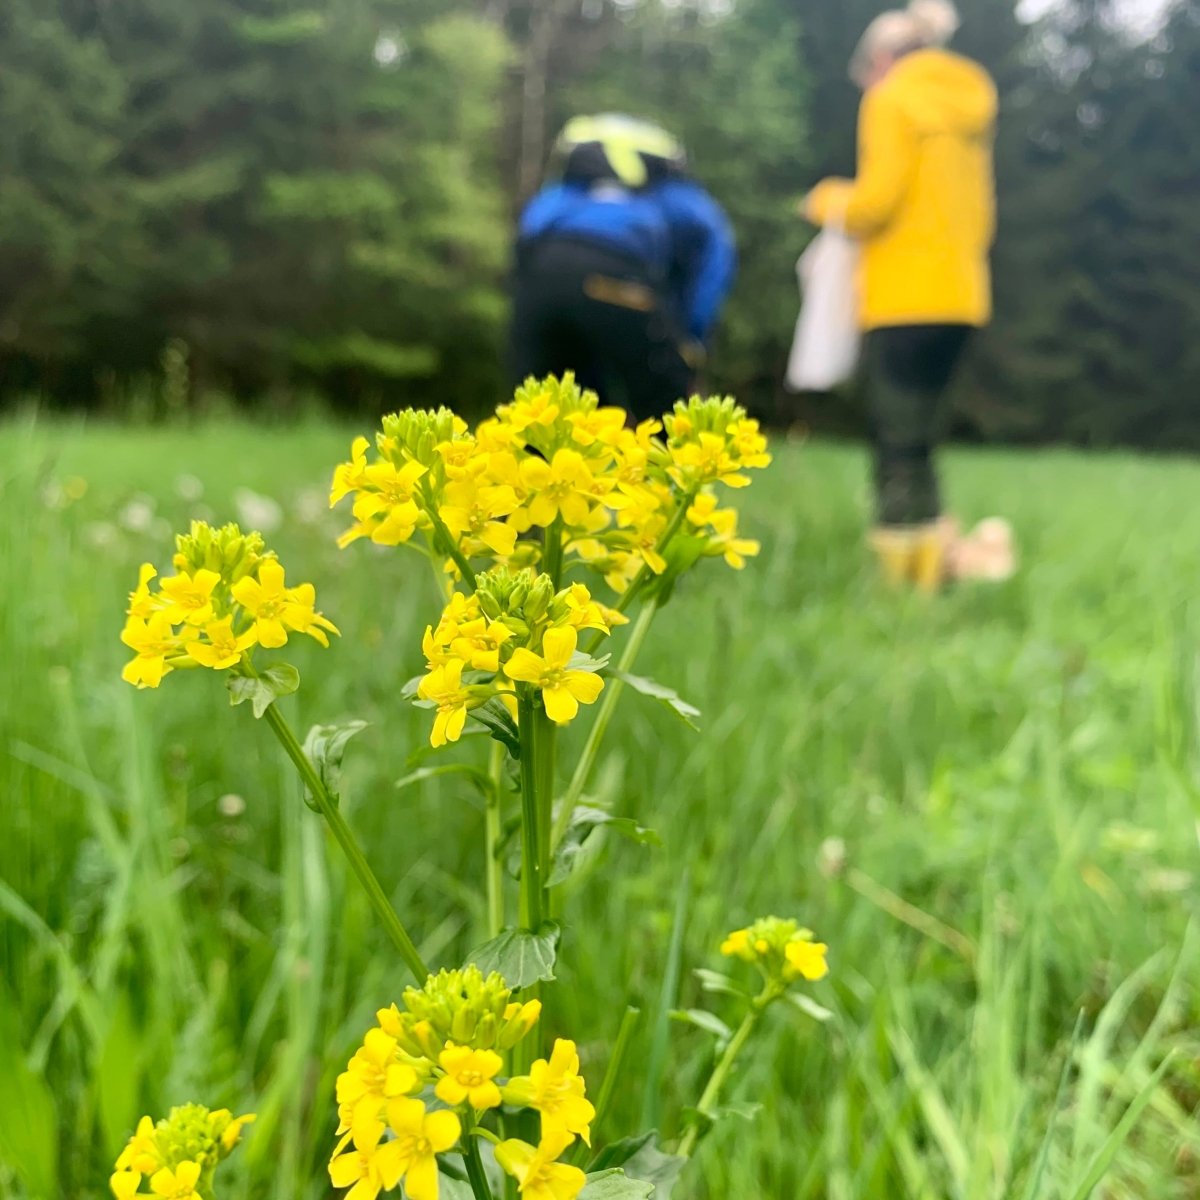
(923, 209)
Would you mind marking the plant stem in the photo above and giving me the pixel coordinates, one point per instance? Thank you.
(441, 532)
(553, 558)
(615, 1063)
(492, 818)
(591, 748)
(720, 1074)
(349, 844)
(531, 859)
(475, 1171)
(546, 741)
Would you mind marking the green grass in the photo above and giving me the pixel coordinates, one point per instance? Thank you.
(1013, 773)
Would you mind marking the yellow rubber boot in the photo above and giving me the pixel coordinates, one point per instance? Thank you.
(929, 558)
(894, 548)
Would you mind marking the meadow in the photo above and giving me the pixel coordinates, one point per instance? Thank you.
(986, 804)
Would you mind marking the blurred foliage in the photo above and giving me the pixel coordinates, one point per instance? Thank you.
(316, 199)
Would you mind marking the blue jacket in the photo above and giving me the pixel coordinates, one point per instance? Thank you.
(673, 228)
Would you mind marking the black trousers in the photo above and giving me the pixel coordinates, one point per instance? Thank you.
(582, 308)
(908, 372)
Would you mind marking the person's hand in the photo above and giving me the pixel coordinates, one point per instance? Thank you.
(803, 207)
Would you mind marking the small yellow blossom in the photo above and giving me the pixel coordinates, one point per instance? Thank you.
(420, 1137)
(470, 1077)
(224, 648)
(807, 959)
(375, 1075)
(444, 686)
(276, 608)
(366, 1172)
(560, 488)
(538, 1175)
(124, 1184)
(189, 597)
(176, 1184)
(473, 510)
(349, 477)
(152, 640)
(141, 603)
(563, 689)
(478, 643)
(385, 508)
(556, 1089)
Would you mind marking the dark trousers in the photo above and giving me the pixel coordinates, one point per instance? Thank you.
(581, 308)
(908, 370)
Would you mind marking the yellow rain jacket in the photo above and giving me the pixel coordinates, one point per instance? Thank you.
(923, 204)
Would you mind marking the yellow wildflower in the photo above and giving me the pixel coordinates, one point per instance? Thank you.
(706, 460)
(276, 608)
(556, 1089)
(231, 1134)
(737, 945)
(224, 648)
(177, 1184)
(385, 508)
(560, 487)
(349, 477)
(374, 1075)
(152, 640)
(141, 603)
(420, 1137)
(603, 425)
(563, 689)
(807, 958)
(470, 1077)
(189, 597)
(471, 510)
(124, 1184)
(444, 686)
(537, 1173)
(478, 643)
(365, 1171)
(538, 409)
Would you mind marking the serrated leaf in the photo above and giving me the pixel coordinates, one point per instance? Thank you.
(324, 747)
(707, 1119)
(585, 820)
(519, 956)
(663, 694)
(702, 1019)
(716, 982)
(264, 689)
(808, 1006)
(615, 1185)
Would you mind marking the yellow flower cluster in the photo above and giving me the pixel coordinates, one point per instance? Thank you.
(514, 629)
(449, 1038)
(780, 949)
(227, 595)
(557, 467)
(178, 1156)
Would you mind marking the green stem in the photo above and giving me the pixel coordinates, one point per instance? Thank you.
(721, 1073)
(349, 844)
(553, 560)
(546, 741)
(441, 532)
(640, 580)
(475, 1171)
(492, 818)
(591, 748)
(531, 859)
(615, 1064)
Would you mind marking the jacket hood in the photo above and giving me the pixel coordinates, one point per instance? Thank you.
(943, 92)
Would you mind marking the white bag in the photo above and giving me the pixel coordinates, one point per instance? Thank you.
(825, 347)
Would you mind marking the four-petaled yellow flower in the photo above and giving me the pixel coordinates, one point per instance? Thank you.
(373, 1076)
(470, 1077)
(538, 1175)
(124, 1184)
(443, 685)
(385, 508)
(420, 1137)
(807, 958)
(152, 640)
(560, 487)
(365, 1171)
(189, 597)
(224, 648)
(276, 608)
(478, 644)
(177, 1184)
(471, 510)
(349, 477)
(141, 604)
(556, 1089)
(562, 688)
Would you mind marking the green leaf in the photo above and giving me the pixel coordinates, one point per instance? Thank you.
(519, 956)
(585, 820)
(617, 1154)
(702, 1019)
(707, 1119)
(118, 1075)
(615, 1185)
(264, 689)
(719, 984)
(494, 717)
(657, 691)
(651, 1164)
(324, 747)
(808, 1006)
